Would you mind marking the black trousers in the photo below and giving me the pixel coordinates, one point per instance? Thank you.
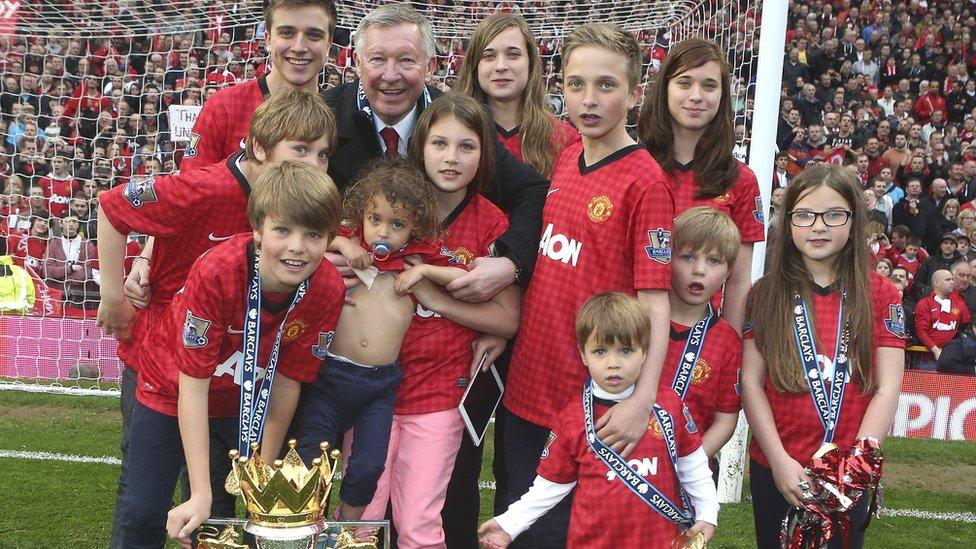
(769, 507)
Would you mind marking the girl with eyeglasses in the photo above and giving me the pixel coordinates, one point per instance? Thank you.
(820, 310)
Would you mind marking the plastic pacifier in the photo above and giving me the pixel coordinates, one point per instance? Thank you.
(381, 250)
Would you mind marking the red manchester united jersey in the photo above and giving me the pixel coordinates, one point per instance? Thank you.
(436, 352)
(563, 135)
(606, 227)
(201, 333)
(716, 372)
(797, 421)
(605, 512)
(188, 214)
(27, 250)
(58, 193)
(221, 128)
(742, 202)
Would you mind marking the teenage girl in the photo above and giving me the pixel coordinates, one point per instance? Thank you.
(686, 123)
(453, 143)
(819, 277)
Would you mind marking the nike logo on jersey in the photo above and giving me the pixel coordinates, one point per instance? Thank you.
(552, 191)
(234, 331)
(216, 238)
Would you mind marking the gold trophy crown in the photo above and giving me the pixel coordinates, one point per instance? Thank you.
(285, 494)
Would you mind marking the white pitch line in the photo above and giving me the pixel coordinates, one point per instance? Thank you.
(50, 456)
(969, 518)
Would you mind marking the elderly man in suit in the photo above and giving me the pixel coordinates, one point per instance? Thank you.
(394, 48)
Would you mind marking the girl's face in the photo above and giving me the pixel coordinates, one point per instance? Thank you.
(452, 153)
(884, 269)
(694, 96)
(951, 211)
(503, 71)
(386, 223)
(819, 242)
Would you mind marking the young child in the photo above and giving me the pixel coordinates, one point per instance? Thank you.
(818, 266)
(392, 211)
(704, 352)
(606, 227)
(909, 259)
(612, 504)
(453, 141)
(939, 316)
(256, 313)
(188, 214)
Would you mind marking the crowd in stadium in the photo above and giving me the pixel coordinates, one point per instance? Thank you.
(882, 86)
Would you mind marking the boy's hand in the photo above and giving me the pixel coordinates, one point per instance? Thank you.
(492, 536)
(486, 344)
(115, 318)
(407, 279)
(185, 518)
(136, 287)
(622, 427)
(702, 527)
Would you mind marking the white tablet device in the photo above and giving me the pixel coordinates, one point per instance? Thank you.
(480, 400)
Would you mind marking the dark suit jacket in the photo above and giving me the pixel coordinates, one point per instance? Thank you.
(519, 189)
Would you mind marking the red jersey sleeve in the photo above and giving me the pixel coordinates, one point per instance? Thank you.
(747, 209)
(558, 463)
(206, 138)
(889, 315)
(160, 206)
(651, 225)
(203, 329)
(302, 358)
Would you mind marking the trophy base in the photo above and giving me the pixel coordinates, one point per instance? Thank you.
(266, 537)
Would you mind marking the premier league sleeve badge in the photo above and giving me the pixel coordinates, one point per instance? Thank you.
(195, 331)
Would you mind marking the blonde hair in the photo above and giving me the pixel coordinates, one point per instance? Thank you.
(290, 114)
(704, 228)
(297, 194)
(610, 37)
(613, 317)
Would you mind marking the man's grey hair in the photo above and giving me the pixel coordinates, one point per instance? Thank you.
(392, 15)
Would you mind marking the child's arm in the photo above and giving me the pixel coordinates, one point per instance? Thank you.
(889, 367)
(354, 254)
(440, 275)
(787, 472)
(115, 314)
(719, 433)
(736, 288)
(193, 410)
(623, 426)
(281, 410)
(696, 478)
(541, 497)
(498, 316)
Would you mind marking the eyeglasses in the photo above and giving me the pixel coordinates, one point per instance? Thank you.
(831, 218)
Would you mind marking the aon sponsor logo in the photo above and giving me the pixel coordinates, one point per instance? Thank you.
(559, 247)
(644, 467)
(229, 367)
(423, 312)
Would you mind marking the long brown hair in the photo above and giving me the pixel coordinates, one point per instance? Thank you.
(536, 124)
(770, 300)
(715, 167)
(468, 112)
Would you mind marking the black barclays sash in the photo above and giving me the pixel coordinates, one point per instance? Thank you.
(256, 393)
(828, 405)
(641, 487)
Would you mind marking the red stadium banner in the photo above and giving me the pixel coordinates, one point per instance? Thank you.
(937, 406)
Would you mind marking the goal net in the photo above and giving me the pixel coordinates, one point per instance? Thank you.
(97, 94)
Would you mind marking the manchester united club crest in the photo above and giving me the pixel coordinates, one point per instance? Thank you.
(599, 209)
(195, 331)
(655, 428)
(702, 372)
(140, 192)
(293, 330)
(721, 199)
(660, 245)
(462, 255)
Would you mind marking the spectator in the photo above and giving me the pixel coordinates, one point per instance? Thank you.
(31, 248)
(58, 186)
(964, 245)
(962, 273)
(939, 316)
(909, 259)
(930, 102)
(912, 211)
(68, 265)
(946, 256)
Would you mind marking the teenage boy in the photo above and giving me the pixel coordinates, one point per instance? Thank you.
(619, 502)
(606, 227)
(298, 38)
(188, 214)
(59, 186)
(250, 326)
(704, 352)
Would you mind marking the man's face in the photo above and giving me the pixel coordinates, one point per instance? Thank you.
(914, 188)
(948, 246)
(939, 187)
(298, 43)
(393, 67)
(900, 141)
(862, 163)
(816, 133)
(872, 146)
(969, 169)
(899, 276)
(955, 171)
(831, 120)
(809, 91)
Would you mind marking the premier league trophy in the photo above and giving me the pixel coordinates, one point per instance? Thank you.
(286, 504)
